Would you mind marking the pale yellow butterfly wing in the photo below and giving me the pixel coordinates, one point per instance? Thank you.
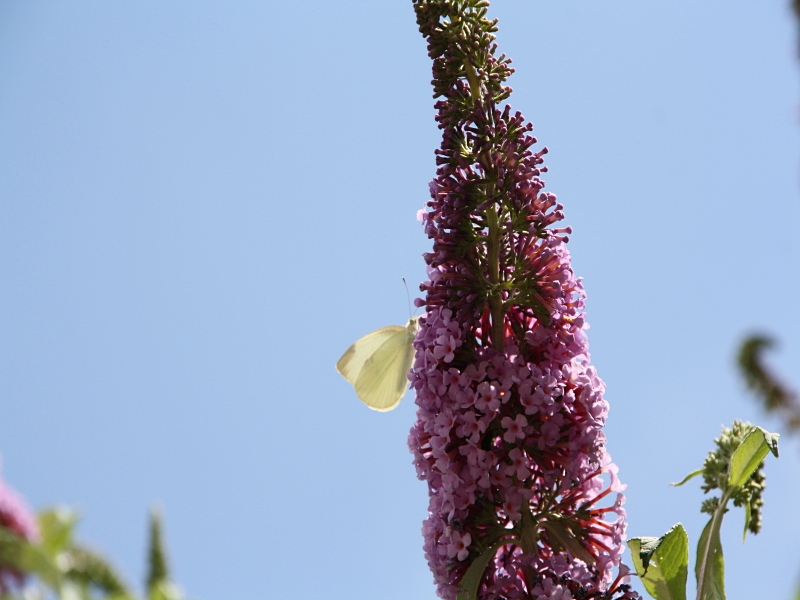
(353, 359)
(377, 365)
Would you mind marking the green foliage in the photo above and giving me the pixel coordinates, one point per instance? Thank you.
(662, 563)
(563, 538)
(736, 470)
(471, 581)
(61, 568)
(66, 569)
(157, 571)
(709, 569)
(87, 568)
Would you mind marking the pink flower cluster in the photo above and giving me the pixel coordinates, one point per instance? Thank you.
(509, 431)
(16, 517)
(504, 436)
(510, 411)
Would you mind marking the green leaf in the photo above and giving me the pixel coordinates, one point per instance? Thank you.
(688, 477)
(164, 590)
(640, 550)
(710, 566)
(55, 529)
(771, 440)
(567, 540)
(157, 571)
(86, 567)
(471, 580)
(749, 455)
(663, 563)
(748, 514)
(28, 558)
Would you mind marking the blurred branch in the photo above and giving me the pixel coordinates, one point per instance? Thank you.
(775, 397)
(796, 10)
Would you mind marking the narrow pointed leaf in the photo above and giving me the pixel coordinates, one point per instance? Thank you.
(471, 580)
(688, 477)
(568, 541)
(158, 571)
(749, 455)
(710, 566)
(663, 563)
(748, 514)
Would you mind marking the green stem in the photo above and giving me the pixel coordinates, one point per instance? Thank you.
(704, 554)
(474, 84)
(495, 294)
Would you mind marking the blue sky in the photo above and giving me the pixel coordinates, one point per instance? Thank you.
(203, 204)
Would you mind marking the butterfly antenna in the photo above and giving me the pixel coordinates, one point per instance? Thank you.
(408, 295)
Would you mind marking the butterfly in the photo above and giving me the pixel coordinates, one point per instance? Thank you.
(377, 365)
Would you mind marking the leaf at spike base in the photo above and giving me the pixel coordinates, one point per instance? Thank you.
(471, 581)
(567, 540)
(662, 563)
(711, 561)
